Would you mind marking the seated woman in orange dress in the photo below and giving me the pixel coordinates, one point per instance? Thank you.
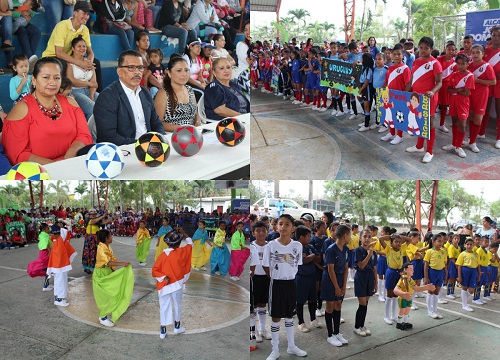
(45, 127)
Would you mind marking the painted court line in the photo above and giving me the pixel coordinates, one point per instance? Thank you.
(474, 306)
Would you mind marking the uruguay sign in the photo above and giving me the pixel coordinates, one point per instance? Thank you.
(341, 75)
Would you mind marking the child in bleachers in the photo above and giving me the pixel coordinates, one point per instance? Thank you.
(155, 73)
(66, 87)
(20, 83)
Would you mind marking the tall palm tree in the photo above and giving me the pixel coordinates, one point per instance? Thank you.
(203, 187)
(300, 15)
(61, 190)
(399, 26)
(326, 27)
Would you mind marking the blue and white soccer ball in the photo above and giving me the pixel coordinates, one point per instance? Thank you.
(105, 161)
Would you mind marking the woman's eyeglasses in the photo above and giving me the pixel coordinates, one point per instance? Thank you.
(133, 68)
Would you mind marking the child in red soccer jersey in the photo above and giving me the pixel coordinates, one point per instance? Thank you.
(426, 80)
(492, 56)
(397, 78)
(460, 85)
(448, 64)
(484, 77)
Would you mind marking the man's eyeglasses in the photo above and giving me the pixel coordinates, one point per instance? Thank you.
(133, 68)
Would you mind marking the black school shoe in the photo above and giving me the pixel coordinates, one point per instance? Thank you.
(409, 326)
(401, 326)
(7, 47)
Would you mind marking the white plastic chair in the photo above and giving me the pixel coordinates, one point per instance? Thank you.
(201, 110)
(92, 127)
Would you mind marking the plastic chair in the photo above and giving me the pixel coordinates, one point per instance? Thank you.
(201, 110)
(92, 127)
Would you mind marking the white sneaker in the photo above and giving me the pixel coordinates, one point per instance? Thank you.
(334, 112)
(61, 302)
(323, 109)
(387, 137)
(48, 288)
(487, 298)
(351, 112)
(442, 301)
(179, 330)
(342, 320)
(497, 144)
(296, 351)
(450, 297)
(481, 136)
(388, 321)
(432, 315)
(285, 97)
(363, 128)
(106, 322)
(467, 308)
(339, 113)
(397, 140)
(460, 152)
(414, 307)
(142, 264)
(443, 129)
(367, 332)
(303, 327)
(315, 324)
(274, 356)
(292, 98)
(359, 332)
(163, 332)
(332, 340)
(234, 278)
(427, 158)
(265, 334)
(341, 339)
(304, 105)
(194, 268)
(361, 124)
(473, 147)
(323, 312)
(295, 102)
(439, 316)
(279, 94)
(352, 117)
(318, 313)
(203, 268)
(481, 301)
(258, 337)
(374, 126)
(381, 299)
(217, 273)
(448, 147)
(414, 149)
(382, 129)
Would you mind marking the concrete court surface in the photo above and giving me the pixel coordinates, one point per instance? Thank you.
(293, 142)
(459, 335)
(215, 314)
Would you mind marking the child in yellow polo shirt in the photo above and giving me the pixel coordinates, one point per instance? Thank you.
(453, 251)
(404, 290)
(484, 261)
(469, 272)
(492, 272)
(435, 272)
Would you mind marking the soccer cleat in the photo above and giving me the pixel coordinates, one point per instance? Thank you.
(364, 128)
(467, 308)
(341, 339)
(443, 129)
(332, 340)
(414, 149)
(473, 147)
(359, 332)
(315, 324)
(427, 158)
(388, 321)
(106, 322)
(296, 351)
(273, 356)
(303, 327)
(397, 140)
(163, 332)
(448, 147)
(387, 137)
(460, 152)
(368, 332)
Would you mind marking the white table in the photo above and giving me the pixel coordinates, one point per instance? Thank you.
(212, 161)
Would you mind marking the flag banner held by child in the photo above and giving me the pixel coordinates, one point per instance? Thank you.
(341, 75)
(404, 111)
(13, 225)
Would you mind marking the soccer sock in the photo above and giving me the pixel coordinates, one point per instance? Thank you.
(420, 142)
(380, 287)
(360, 316)
(336, 322)
(364, 310)
(464, 298)
(300, 95)
(261, 313)
(400, 319)
(442, 116)
(476, 293)
(367, 124)
(319, 102)
(405, 318)
(385, 290)
(453, 289)
(329, 323)
(348, 103)
(435, 299)
(320, 301)
(325, 99)
(289, 332)
(312, 310)
(484, 123)
(460, 138)
(454, 135)
(315, 98)
(392, 130)
(448, 289)
(252, 331)
(339, 102)
(473, 131)
(334, 102)
(308, 99)
(430, 142)
(354, 107)
(428, 301)
(388, 308)
(177, 324)
(394, 307)
(400, 133)
(300, 313)
(275, 335)
(498, 128)
(413, 297)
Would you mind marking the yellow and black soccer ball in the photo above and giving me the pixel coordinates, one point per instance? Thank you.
(152, 149)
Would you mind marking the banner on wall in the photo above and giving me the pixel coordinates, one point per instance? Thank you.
(479, 23)
(405, 111)
(243, 205)
(341, 75)
(19, 225)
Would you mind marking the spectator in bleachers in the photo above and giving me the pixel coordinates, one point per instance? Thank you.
(56, 10)
(172, 23)
(6, 31)
(193, 59)
(139, 16)
(45, 117)
(223, 97)
(204, 20)
(59, 44)
(176, 103)
(242, 49)
(84, 81)
(27, 34)
(124, 110)
(111, 16)
(220, 52)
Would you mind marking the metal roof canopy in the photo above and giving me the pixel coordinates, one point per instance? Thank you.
(266, 5)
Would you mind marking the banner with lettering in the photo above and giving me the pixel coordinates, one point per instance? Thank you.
(405, 111)
(479, 23)
(341, 75)
(19, 225)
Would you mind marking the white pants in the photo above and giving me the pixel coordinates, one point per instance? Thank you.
(61, 285)
(166, 307)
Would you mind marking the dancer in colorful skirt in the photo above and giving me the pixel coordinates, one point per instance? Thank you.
(202, 248)
(90, 244)
(38, 267)
(161, 244)
(220, 257)
(143, 242)
(239, 253)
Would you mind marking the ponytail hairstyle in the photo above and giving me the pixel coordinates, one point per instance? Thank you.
(167, 83)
